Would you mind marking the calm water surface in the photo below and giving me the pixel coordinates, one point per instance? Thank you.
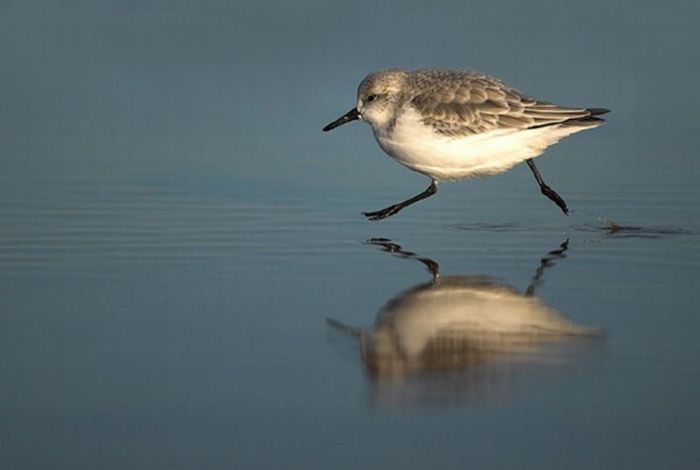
(176, 235)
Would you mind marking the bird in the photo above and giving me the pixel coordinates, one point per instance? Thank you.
(461, 321)
(458, 124)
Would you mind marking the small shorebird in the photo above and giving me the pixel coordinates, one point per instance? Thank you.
(453, 125)
(458, 322)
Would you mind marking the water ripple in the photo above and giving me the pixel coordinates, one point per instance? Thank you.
(71, 227)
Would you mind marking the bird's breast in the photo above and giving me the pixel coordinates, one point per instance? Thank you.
(417, 146)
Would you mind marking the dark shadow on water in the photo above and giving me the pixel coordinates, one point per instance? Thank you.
(462, 338)
(603, 226)
(613, 229)
(483, 227)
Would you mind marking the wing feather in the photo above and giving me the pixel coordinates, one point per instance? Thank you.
(457, 103)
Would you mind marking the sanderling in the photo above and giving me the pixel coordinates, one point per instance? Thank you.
(453, 125)
(460, 321)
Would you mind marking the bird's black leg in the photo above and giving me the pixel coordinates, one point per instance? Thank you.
(393, 209)
(546, 190)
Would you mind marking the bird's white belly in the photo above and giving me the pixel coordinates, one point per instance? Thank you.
(418, 147)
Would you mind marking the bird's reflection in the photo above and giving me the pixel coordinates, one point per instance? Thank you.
(460, 337)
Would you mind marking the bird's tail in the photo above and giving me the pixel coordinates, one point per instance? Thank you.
(592, 120)
(594, 113)
(597, 111)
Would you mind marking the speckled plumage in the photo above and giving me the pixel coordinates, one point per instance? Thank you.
(458, 124)
(460, 103)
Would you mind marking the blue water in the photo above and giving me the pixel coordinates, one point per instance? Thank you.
(176, 231)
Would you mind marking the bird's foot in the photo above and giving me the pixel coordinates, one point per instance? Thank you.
(552, 194)
(383, 213)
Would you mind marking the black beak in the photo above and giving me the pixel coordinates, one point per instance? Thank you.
(351, 115)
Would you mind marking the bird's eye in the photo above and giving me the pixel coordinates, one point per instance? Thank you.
(371, 98)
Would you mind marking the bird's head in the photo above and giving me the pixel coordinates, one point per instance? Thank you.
(377, 98)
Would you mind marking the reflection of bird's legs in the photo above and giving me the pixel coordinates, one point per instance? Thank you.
(391, 247)
(545, 262)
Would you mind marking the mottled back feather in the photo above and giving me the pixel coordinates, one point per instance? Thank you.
(463, 103)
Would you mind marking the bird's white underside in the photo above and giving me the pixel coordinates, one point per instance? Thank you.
(418, 147)
(494, 318)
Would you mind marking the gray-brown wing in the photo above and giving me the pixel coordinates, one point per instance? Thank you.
(466, 104)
